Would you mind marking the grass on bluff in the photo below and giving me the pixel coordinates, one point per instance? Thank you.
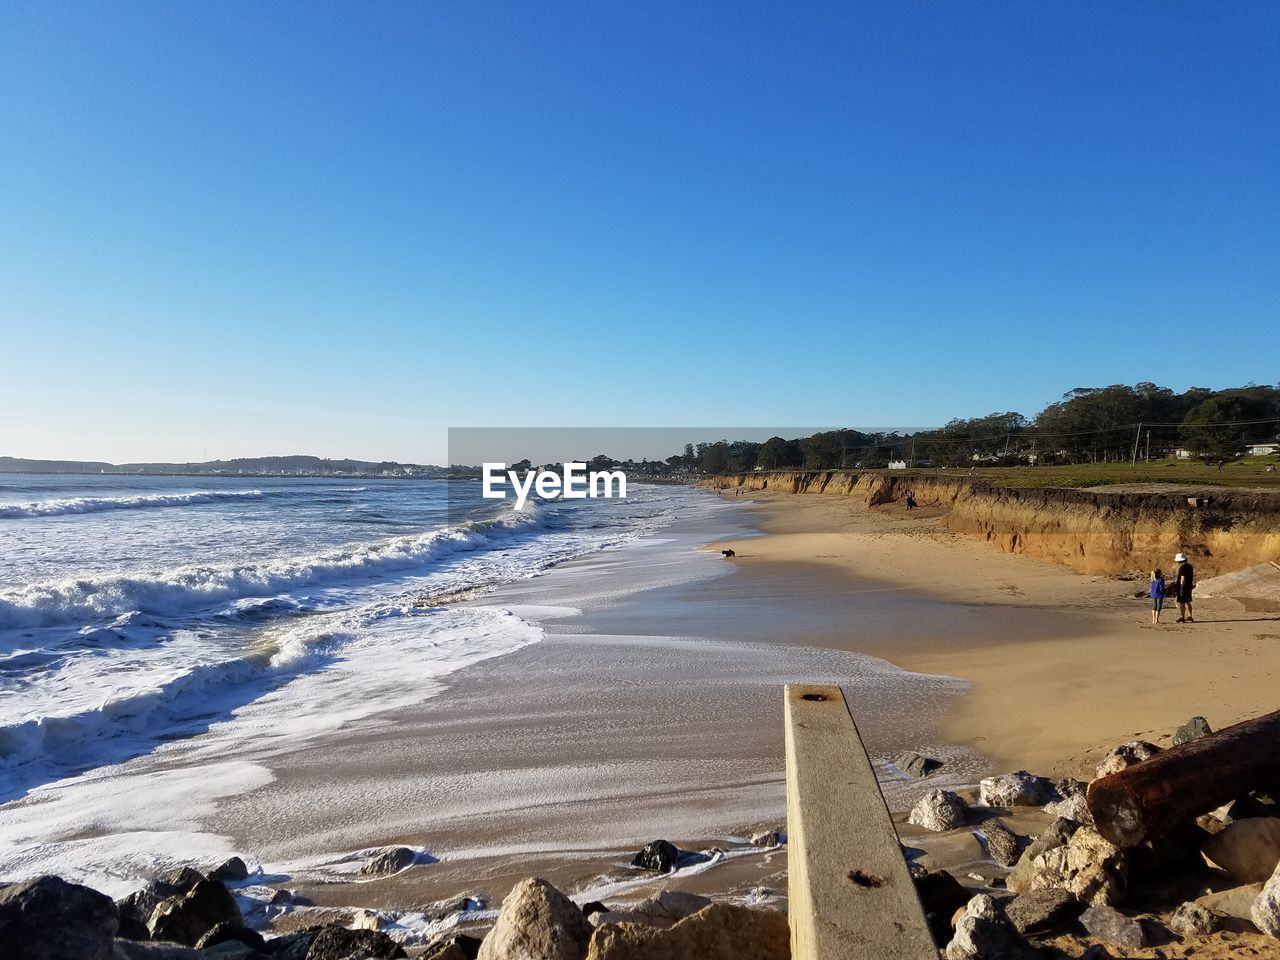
(1245, 472)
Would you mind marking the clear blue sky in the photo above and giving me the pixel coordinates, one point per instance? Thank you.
(246, 228)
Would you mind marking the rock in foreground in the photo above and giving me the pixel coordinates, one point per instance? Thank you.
(718, 932)
(983, 932)
(50, 919)
(1018, 789)
(1265, 912)
(938, 810)
(537, 922)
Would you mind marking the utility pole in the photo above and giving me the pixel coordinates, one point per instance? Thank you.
(1136, 440)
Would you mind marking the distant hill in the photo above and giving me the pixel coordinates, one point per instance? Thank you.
(297, 466)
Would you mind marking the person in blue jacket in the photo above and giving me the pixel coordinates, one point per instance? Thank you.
(1157, 595)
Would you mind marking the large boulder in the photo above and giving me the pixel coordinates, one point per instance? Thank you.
(718, 932)
(230, 871)
(339, 943)
(1193, 729)
(983, 932)
(188, 917)
(1003, 844)
(938, 810)
(1019, 789)
(1265, 912)
(1088, 865)
(1247, 850)
(389, 861)
(1055, 835)
(659, 855)
(136, 909)
(1111, 926)
(50, 919)
(1043, 910)
(537, 922)
(1126, 755)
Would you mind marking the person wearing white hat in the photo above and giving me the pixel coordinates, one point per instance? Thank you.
(1184, 581)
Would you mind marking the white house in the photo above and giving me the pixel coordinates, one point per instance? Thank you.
(897, 464)
(1263, 449)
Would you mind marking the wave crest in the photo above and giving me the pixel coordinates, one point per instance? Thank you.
(68, 505)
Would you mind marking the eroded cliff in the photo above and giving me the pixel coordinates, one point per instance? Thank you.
(1090, 531)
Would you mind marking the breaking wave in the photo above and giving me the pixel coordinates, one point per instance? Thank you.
(67, 505)
(168, 592)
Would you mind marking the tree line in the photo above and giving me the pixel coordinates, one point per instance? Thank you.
(1088, 425)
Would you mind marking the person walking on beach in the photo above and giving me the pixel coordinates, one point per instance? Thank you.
(1184, 581)
(1157, 595)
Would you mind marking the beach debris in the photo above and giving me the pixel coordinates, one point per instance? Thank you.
(48, 917)
(1107, 923)
(660, 855)
(1019, 789)
(537, 921)
(338, 943)
(1003, 844)
(232, 870)
(185, 918)
(939, 811)
(941, 896)
(1265, 912)
(1087, 864)
(720, 931)
(983, 932)
(665, 910)
(1043, 910)
(1193, 920)
(918, 765)
(766, 838)
(1146, 800)
(1247, 850)
(389, 861)
(1126, 755)
(231, 933)
(1193, 729)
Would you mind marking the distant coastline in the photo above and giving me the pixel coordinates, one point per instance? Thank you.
(288, 466)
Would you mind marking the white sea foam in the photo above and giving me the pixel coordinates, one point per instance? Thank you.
(67, 505)
(75, 600)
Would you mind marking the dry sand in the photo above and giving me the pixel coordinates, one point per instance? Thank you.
(1053, 693)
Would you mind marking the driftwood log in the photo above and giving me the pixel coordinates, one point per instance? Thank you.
(1147, 800)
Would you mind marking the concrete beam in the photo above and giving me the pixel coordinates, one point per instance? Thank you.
(850, 893)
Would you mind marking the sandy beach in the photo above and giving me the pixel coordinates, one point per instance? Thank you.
(1066, 665)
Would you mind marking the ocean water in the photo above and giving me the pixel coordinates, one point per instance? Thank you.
(138, 610)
